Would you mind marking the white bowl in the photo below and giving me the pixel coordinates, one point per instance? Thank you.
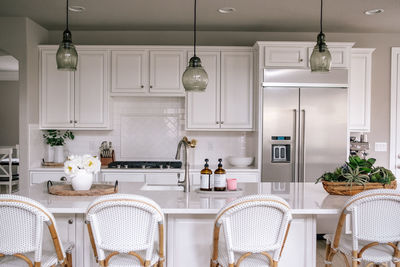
(240, 161)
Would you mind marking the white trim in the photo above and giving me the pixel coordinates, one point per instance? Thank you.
(394, 91)
(325, 85)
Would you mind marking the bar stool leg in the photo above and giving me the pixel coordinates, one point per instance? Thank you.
(353, 260)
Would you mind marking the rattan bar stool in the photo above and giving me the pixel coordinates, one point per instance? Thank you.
(375, 224)
(21, 235)
(255, 230)
(124, 229)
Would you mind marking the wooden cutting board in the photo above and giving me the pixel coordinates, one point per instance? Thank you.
(95, 190)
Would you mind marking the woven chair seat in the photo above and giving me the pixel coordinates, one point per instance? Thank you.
(254, 260)
(49, 258)
(125, 260)
(378, 254)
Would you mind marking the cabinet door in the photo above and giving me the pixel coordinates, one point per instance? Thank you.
(340, 56)
(56, 94)
(166, 69)
(285, 56)
(202, 108)
(91, 94)
(66, 229)
(360, 90)
(236, 90)
(129, 71)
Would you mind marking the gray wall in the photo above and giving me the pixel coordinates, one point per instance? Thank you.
(9, 113)
(380, 126)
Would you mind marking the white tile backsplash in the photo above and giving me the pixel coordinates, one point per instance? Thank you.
(150, 128)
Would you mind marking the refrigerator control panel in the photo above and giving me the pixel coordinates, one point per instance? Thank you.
(280, 138)
(280, 153)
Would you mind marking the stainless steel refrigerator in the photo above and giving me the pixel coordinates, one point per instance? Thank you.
(304, 124)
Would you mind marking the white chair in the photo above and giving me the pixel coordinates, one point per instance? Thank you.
(7, 177)
(255, 230)
(21, 234)
(375, 230)
(124, 229)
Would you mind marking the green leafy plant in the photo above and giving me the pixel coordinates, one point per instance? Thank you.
(56, 138)
(359, 171)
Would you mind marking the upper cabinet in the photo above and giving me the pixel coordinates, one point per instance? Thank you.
(360, 90)
(227, 103)
(74, 100)
(297, 54)
(156, 72)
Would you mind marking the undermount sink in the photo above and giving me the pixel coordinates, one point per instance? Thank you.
(148, 187)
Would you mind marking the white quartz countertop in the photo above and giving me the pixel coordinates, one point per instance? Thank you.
(307, 198)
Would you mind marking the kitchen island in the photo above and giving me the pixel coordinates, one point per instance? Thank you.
(190, 217)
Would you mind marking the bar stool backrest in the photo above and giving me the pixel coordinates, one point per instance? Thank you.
(21, 227)
(255, 224)
(375, 216)
(124, 223)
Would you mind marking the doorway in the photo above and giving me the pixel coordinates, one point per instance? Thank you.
(395, 113)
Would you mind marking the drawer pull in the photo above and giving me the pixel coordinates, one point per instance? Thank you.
(70, 221)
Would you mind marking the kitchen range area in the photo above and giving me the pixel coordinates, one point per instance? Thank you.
(191, 117)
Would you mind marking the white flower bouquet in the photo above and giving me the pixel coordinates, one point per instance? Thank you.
(76, 164)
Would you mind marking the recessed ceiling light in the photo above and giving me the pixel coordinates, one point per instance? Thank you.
(76, 8)
(374, 11)
(227, 10)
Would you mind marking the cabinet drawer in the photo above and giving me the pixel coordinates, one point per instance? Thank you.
(40, 177)
(162, 178)
(285, 56)
(123, 177)
(339, 56)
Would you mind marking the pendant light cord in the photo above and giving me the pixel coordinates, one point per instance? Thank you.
(320, 20)
(194, 27)
(67, 14)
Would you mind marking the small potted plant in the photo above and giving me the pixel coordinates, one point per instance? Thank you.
(355, 176)
(55, 141)
(81, 170)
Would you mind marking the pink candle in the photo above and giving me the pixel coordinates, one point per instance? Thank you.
(232, 184)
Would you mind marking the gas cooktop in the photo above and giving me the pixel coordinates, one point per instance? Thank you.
(145, 165)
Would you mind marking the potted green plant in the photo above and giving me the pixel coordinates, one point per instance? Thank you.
(55, 141)
(357, 175)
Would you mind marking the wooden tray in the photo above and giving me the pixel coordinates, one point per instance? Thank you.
(96, 190)
(343, 189)
(52, 164)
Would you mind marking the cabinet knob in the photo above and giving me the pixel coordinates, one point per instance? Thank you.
(63, 179)
(222, 122)
(300, 60)
(70, 121)
(151, 86)
(216, 122)
(70, 221)
(142, 86)
(76, 121)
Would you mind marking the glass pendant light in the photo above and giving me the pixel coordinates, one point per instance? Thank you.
(67, 57)
(321, 58)
(195, 78)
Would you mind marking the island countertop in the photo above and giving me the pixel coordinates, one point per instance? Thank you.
(304, 198)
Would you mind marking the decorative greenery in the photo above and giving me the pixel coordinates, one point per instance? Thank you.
(56, 138)
(359, 171)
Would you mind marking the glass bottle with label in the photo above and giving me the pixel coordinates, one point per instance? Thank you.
(205, 178)
(220, 177)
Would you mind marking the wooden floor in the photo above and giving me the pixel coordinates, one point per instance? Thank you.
(337, 262)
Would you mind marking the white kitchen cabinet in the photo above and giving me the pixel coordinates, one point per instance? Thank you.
(123, 177)
(285, 55)
(360, 90)
(74, 100)
(42, 176)
(203, 108)
(236, 90)
(56, 93)
(227, 103)
(129, 71)
(91, 94)
(66, 224)
(166, 69)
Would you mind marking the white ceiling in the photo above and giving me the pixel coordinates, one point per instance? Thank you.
(251, 15)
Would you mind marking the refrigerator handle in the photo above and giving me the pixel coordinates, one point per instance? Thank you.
(295, 149)
(303, 159)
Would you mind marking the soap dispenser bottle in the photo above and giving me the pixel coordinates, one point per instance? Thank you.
(220, 177)
(205, 178)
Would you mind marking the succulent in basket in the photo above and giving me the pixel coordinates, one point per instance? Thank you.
(359, 171)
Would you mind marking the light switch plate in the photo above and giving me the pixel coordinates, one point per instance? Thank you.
(380, 147)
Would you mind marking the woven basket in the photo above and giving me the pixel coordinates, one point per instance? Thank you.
(343, 189)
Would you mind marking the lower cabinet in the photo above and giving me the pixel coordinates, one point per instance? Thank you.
(38, 177)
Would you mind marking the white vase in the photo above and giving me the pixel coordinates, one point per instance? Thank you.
(82, 181)
(49, 155)
(59, 154)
